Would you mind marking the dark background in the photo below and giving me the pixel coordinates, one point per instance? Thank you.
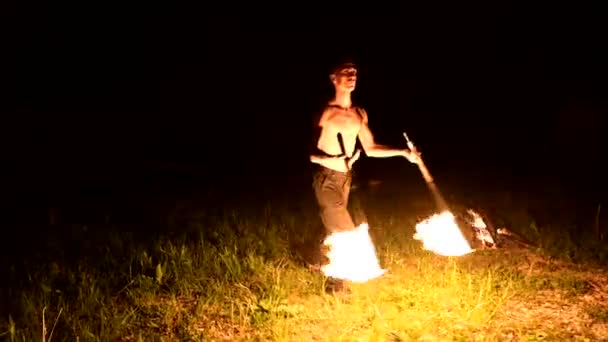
(101, 104)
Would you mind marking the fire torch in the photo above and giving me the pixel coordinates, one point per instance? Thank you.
(441, 203)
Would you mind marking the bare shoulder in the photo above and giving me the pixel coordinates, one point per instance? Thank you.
(319, 116)
(326, 114)
(362, 112)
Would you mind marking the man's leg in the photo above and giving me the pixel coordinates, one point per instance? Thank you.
(354, 202)
(348, 180)
(331, 190)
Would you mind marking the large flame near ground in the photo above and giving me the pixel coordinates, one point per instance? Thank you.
(440, 234)
(352, 256)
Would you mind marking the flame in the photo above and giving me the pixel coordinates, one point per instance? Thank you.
(477, 220)
(352, 256)
(481, 229)
(440, 234)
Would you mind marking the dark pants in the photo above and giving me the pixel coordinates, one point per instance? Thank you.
(332, 189)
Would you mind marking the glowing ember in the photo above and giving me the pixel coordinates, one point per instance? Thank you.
(440, 234)
(352, 256)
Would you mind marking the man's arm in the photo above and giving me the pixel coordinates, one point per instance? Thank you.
(380, 151)
(371, 148)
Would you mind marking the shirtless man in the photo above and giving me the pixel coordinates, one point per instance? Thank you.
(340, 125)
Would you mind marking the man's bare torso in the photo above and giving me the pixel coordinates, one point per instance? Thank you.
(337, 120)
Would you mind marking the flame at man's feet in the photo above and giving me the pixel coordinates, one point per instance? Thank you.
(352, 256)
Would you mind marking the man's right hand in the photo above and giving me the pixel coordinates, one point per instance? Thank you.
(350, 161)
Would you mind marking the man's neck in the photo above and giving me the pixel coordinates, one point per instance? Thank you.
(342, 99)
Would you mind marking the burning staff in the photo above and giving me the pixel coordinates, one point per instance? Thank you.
(441, 203)
(439, 233)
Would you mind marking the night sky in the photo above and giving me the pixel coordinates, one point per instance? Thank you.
(505, 94)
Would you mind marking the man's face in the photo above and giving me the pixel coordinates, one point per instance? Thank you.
(345, 79)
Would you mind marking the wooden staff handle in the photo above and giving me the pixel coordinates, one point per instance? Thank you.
(425, 172)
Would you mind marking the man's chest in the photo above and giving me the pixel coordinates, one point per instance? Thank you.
(344, 120)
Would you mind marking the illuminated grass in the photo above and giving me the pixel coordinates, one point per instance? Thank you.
(239, 276)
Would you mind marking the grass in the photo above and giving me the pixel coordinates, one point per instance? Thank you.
(239, 274)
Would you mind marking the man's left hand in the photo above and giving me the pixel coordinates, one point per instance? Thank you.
(413, 156)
